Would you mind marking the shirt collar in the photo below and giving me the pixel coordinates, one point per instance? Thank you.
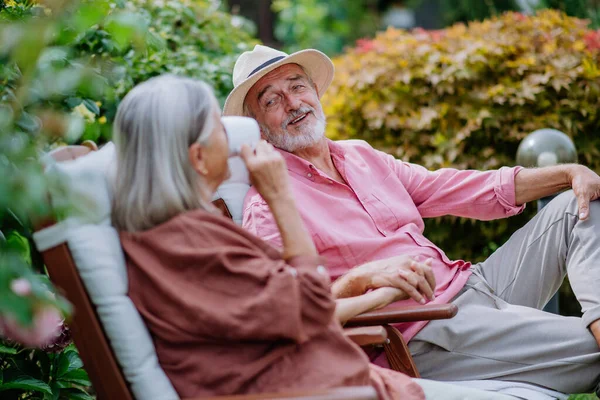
(299, 165)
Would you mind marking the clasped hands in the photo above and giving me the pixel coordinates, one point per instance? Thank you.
(396, 278)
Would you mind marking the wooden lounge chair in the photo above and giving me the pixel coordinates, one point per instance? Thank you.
(105, 358)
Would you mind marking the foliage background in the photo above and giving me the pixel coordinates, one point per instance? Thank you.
(461, 97)
(465, 97)
(326, 25)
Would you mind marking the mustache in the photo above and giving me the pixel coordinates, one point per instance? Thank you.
(295, 114)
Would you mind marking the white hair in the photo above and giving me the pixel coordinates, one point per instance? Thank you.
(307, 137)
(156, 123)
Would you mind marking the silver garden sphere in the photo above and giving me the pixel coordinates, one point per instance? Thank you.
(545, 147)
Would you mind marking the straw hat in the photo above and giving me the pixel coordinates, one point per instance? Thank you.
(253, 65)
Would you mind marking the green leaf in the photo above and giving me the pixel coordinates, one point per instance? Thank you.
(68, 361)
(27, 383)
(7, 350)
(20, 244)
(73, 102)
(76, 394)
(92, 106)
(89, 13)
(78, 377)
(126, 27)
(28, 123)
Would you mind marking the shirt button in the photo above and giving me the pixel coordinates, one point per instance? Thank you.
(293, 272)
(309, 175)
(322, 270)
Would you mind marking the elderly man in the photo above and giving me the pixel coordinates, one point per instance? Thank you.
(365, 211)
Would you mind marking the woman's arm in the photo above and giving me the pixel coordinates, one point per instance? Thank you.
(350, 307)
(269, 176)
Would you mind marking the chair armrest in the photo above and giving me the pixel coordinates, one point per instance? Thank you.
(344, 393)
(367, 335)
(394, 315)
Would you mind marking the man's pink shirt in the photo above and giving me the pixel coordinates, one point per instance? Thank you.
(379, 212)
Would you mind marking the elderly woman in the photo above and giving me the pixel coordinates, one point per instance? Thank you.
(228, 313)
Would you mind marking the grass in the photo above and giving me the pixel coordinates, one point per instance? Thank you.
(583, 397)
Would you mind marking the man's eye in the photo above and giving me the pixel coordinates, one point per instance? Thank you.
(271, 102)
(298, 87)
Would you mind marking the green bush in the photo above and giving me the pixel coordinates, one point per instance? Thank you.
(466, 96)
(191, 38)
(324, 25)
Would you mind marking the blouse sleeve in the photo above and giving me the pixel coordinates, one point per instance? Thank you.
(265, 299)
(223, 286)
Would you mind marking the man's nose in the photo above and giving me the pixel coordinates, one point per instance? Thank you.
(292, 103)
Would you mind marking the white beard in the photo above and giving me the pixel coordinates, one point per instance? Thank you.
(308, 135)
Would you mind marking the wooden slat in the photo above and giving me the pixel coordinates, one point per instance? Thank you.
(391, 315)
(398, 354)
(97, 355)
(367, 335)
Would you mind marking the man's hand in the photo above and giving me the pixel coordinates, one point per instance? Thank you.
(586, 186)
(414, 278)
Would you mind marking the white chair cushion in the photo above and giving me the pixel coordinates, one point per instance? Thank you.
(233, 190)
(96, 250)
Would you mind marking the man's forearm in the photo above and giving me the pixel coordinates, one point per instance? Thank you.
(348, 285)
(535, 183)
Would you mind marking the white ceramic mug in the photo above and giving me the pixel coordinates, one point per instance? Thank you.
(241, 130)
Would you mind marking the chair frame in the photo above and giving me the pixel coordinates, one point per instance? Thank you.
(107, 377)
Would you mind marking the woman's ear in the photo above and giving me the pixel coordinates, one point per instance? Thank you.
(197, 159)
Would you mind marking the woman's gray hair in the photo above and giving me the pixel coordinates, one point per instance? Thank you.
(156, 123)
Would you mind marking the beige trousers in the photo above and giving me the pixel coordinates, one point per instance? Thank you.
(500, 331)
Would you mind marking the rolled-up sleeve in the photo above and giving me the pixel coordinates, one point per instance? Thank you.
(483, 195)
(504, 188)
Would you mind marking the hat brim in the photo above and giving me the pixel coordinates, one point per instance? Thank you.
(317, 65)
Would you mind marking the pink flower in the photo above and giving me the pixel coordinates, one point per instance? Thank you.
(20, 287)
(592, 40)
(437, 34)
(520, 16)
(364, 45)
(46, 326)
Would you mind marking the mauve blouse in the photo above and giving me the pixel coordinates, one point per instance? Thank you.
(228, 315)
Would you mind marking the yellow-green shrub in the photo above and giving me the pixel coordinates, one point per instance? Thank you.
(464, 97)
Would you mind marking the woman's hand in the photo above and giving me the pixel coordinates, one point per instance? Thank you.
(268, 172)
(352, 306)
(388, 295)
(414, 278)
(269, 175)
